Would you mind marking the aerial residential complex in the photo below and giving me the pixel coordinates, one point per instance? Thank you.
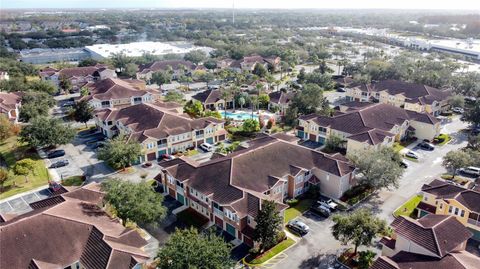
(168, 135)
(113, 93)
(444, 198)
(229, 190)
(411, 96)
(364, 125)
(160, 131)
(433, 241)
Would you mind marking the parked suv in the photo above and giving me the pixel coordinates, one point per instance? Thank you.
(56, 153)
(321, 210)
(298, 227)
(206, 147)
(471, 170)
(426, 146)
(58, 164)
(328, 203)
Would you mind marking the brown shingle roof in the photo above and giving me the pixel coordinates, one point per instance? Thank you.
(147, 120)
(379, 118)
(438, 234)
(64, 233)
(208, 96)
(163, 65)
(111, 88)
(280, 97)
(78, 71)
(407, 260)
(415, 93)
(445, 190)
(254, 169)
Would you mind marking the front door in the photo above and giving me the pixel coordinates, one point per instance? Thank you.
(181, 198)
(231, 230)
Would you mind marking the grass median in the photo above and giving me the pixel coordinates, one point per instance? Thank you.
(408, 207)
(298, 209)
(273, 251)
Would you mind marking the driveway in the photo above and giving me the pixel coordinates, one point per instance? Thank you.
(319, 247)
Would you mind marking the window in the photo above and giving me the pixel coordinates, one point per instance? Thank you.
(456, 211)
(450, 209)
(462, 213)
(441, 205)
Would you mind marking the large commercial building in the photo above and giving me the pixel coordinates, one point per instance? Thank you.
(135, 49)
(45, 56)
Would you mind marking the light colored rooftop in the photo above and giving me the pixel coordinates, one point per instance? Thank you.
(139, 48)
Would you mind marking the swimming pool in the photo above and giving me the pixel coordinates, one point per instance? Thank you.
(239, 115)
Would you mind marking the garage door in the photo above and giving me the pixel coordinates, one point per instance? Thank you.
(301, 134)
(321, 140)
(161, 152)
(210, 141)
(313, 137)
(231, 230)
(181, 198)
(171, 192)
(151, 156)
(221, 137)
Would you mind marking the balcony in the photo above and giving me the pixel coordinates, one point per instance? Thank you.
(474, 222)
(217, 212)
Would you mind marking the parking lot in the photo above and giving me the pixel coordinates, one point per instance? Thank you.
(81, 157)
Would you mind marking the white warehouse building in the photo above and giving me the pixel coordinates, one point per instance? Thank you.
(135, 49)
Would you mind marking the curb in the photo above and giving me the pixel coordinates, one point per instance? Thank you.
(266, 262)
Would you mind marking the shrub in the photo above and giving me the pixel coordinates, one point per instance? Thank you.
(292, 202)
(281, 236)
(365, 259)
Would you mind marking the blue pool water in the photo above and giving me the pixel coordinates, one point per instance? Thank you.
(239, 115)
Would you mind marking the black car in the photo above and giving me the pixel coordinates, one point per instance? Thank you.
(298, 227)
(56, 153)
(321, 210)
(58, 164)
(426, 146)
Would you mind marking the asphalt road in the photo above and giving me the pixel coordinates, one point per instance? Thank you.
(318, 249)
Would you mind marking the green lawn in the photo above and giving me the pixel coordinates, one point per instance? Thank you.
(273, 251)
(407, 208)
(12, 151)
(73, 181)
(191, 152)
(298, 209)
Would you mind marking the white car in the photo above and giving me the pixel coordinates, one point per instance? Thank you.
(471, 170)
(458, 110)
(411, 154)
(207, 147)
(328, 203)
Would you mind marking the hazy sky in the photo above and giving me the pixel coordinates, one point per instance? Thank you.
(285, 4)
